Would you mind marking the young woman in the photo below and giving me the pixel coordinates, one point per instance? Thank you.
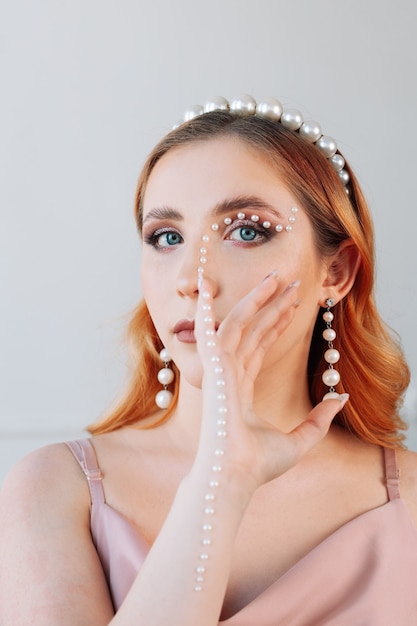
(225, 488)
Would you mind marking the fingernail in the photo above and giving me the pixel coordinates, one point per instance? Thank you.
(296, 283)
(273, 273)
(343, 398)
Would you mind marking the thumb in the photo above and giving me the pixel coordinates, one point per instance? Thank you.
(307, 434)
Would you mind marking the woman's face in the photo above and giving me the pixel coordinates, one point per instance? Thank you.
(189, 190)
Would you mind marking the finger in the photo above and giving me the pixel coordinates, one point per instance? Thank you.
(204, 329)
(315, 427)
(269, 323)
(245, 314)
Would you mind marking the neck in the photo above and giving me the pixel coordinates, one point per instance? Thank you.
(284, 404)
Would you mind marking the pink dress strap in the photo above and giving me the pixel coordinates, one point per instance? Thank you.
(392, 473)
(84, 452)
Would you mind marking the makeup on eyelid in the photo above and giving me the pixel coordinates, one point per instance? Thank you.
(258, 230)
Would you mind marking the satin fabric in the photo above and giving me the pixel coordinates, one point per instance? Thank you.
(364, 574)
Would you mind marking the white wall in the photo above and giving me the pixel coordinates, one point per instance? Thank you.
(88, 86)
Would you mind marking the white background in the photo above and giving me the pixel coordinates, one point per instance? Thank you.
(88, 86)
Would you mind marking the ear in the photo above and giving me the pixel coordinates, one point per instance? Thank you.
(341, 271)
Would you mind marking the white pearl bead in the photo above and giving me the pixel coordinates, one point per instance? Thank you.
(163, 398)
(218, 103)
(254, 218)
(330, 395)
(165, 376)
(207, 528)
(165, 355)
(271, 108)
(291, 119)
(344, 176)
(278, 228)
(209, 510)
(328, 316)
(310, 131)
(241, 216)
(329, 334)
(330, 377)
(327, 146)
(338, 162)
(192, 112)
(200, 569)
(245, 105)
(332, 355)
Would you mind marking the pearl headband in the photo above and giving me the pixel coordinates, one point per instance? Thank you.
(292, 119)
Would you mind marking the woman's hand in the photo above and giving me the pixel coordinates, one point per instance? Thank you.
(232, 358)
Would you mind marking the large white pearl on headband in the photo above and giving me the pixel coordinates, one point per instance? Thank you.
(311, 131)
(327, 146)
(192, 112)
(337, 162)
(271, 108)
(291, 119)
(218, 103)
(245, 105)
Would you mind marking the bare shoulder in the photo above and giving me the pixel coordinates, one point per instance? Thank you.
(43, 467)
(44, 523)
(407, 462)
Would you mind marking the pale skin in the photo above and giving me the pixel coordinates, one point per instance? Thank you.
(286, 473)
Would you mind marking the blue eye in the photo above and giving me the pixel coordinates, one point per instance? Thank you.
(244, 233)
(170, 238)
(163, 239)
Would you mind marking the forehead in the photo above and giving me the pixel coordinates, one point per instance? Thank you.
(205, 172)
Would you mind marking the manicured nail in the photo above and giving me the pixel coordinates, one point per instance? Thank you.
(343, 398)
(273, 273)
(296, 283)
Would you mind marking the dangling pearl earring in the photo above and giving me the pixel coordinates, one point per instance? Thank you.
(165, 376)
(330, 377)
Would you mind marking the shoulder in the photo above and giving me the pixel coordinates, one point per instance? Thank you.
(45, 524)
(407, 462)
(37, 480)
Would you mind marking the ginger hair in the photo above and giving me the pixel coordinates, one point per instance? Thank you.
(372, 368)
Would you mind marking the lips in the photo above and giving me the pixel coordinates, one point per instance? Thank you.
(184, 331)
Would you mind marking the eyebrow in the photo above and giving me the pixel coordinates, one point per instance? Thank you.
(238, 203)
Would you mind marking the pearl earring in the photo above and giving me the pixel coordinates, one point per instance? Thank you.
(165, 376)
(330, 377)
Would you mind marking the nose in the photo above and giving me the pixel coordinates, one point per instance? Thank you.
(196, 260)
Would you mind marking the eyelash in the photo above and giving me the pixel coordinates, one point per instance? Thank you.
(264, 233)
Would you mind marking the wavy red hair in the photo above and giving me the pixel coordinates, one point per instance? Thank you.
(373, 368)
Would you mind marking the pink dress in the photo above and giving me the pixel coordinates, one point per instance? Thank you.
(364, 574)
